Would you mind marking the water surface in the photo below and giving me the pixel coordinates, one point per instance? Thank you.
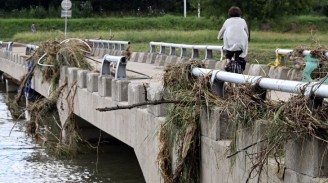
(22, 160)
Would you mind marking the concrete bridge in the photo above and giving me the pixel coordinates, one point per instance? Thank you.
(138, 127)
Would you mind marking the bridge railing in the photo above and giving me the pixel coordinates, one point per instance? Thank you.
(316, 89)
(108, 44)
(8, 45)
(30, 48)
(195, 49)
(281, 55)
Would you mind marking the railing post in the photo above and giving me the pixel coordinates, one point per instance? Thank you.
(116, 46)
(172, 51)
(195, 53)
(152, 47)
(208, 54)
(183, 52)
(162, 50)
(120, 63)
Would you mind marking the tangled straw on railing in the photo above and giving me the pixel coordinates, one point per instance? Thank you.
(180, 134)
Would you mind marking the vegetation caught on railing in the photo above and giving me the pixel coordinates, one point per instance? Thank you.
(48, 60)
(244, 105)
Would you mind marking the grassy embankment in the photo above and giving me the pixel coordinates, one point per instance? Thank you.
(289, 33)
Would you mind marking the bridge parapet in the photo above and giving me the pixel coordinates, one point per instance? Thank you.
(185, 50)
(111, 47)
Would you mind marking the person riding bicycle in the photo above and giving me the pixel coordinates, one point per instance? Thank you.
(234, 34)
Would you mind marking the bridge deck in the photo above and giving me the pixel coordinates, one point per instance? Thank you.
(154, 72)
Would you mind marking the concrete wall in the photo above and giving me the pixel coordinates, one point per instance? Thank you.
(138, 127)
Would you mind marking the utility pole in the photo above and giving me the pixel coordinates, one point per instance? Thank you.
(198, 8)
(185, 8)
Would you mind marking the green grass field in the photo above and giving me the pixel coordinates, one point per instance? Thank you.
(261, 47)
(139, 31)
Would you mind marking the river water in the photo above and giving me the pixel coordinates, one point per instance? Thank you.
(23, 161)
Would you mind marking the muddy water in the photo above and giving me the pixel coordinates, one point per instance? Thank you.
(23, 160)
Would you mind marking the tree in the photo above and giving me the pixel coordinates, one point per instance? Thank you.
(258, 9)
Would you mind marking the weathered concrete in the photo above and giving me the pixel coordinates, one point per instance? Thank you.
(92, 82)
(81, 78)
(138, 127)
(258, 70)
(215, 124)
(278, 72)
(105, 86)
(308, 157)
(210, 64)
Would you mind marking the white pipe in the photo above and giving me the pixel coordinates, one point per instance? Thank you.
(266, 83)
(289, 51)
(201, 47)
(45, 65)
(114, 58)
(186, 46)
(108, 41)
(32, 46)
(155, 43)
(185, 8)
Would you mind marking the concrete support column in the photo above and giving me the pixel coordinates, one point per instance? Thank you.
(133, 57)
(142, 57)
(307, 156)
(120, 90)
(72, 76)
(11, 86)
(215, 124)
(171, 60)
(136, 93)
(82, 78)
(92, 82)
(151, 58)
(63, 72)
(156, 94)
(209, 63)
(278, 72)
(160, 60)
(182, 60)
(105, 86)
(258, 70)
(296, 74)
(246, 137)
(220, 64)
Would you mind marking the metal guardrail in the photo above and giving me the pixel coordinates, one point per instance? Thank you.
(30, 48)
(9, 45)
(108, 44)
(289, 51)
(117, 62)
(281, 55)
(194, 49)
(315, 89)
